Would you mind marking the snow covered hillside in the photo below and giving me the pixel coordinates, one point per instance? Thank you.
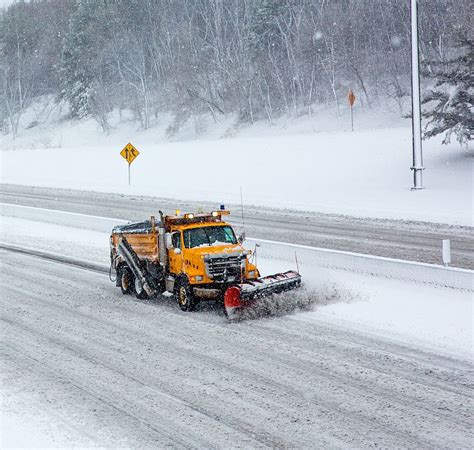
(312, 163)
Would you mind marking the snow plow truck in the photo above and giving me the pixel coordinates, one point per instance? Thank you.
(194, 257)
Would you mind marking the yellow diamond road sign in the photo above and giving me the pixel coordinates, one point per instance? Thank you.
(129, 153)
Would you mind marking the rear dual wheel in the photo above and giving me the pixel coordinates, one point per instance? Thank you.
(130, 284)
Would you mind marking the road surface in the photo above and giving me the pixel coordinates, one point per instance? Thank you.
(123, 372)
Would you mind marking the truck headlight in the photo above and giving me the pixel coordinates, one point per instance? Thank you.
(252, 274)
(198, 278)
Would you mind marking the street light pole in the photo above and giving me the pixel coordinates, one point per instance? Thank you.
(415, 101)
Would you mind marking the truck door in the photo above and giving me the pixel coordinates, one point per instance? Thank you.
(175, 253)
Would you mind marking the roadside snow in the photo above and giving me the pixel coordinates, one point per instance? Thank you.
(78, 243)
(365, 173)
(372, 301)
(434, 317)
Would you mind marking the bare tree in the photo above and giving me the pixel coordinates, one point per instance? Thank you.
(256, 58)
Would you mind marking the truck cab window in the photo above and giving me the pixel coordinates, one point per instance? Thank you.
(176, 239)
(207, 236)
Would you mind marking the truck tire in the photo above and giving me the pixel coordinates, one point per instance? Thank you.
(138, 289)
(126, 280)
(184, 295)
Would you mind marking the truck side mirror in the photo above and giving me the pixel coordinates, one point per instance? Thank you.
(168, 241)
(241, 238)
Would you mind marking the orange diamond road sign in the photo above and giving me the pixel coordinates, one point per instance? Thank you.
(129, 152)
(351, 97)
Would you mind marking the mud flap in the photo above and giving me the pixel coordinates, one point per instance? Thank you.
(239, 297)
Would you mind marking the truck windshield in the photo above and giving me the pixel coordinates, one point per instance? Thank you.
(205, 236)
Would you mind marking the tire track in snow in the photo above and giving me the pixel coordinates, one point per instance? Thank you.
(266, 440)
(20, 353)
(141, 409)
(245, 377)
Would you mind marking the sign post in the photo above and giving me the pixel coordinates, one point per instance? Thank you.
(351, 98)
(129, 153)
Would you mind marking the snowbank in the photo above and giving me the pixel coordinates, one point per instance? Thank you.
(422, 304)
(296, 166)
(361, 174)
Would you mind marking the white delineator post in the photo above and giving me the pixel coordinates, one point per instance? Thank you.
(415, 101)
(446, 252)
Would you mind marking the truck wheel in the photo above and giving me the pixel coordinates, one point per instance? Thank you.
(185, 297)
(126, 280)
(138, 289)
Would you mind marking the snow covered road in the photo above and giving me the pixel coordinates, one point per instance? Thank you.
(109, 370)
(377, 361)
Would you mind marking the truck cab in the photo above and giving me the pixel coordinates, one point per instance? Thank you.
(205, 257)
(209, 253)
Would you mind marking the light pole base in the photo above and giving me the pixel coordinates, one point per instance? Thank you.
(417, 178)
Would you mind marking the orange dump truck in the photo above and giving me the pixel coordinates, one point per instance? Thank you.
(194, 257)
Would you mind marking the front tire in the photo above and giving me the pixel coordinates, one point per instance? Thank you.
(185, 297)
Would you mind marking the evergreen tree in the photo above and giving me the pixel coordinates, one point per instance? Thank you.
(452, 99)
(265, 28)
(78, 59)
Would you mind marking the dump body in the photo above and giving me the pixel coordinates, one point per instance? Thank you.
(144, 244)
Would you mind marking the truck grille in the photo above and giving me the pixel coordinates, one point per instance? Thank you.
(223, 268)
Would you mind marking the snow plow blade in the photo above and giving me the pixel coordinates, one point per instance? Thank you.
(243, 295)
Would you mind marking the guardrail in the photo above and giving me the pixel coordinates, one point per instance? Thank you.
(390, 268)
